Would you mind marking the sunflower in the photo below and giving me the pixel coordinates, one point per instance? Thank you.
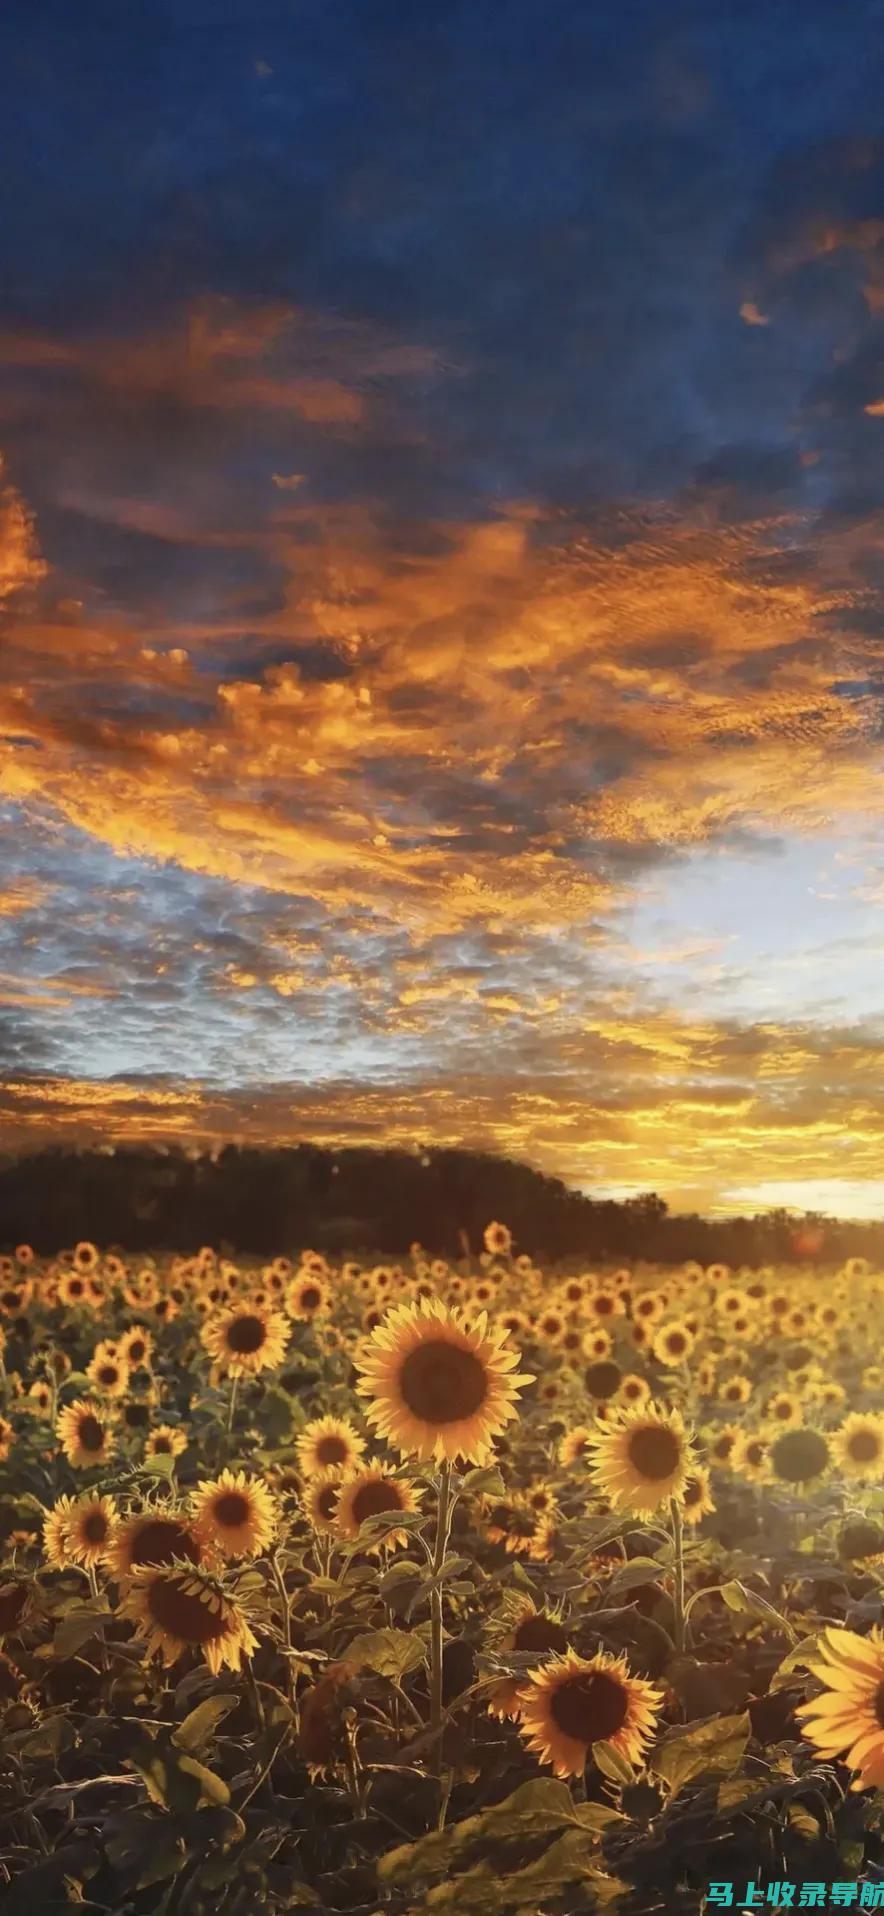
(89, 1529)
(373, 1492)
(15, 1297)
(136, 1347)
(108, 1373)
(165, 1440)
(643, 1458)
(736, 1390)
(596, 1343)
(440, 1386)
(320, 1499)
(328, 1443)
(73, 1290)
(152, 1538)
(634, 1389)
(307, 1296)
(246, 1339)
(697, 1499)
(541, 1498)
(575, 1445)
(649, 1307)
(522, 1630)
(861, 1540)
(673, 1344)
(848, 1718)
(858, 1446)
(749, 1456)
(176, 1610)
(236, 1513)
(574, 1702)
(40, 1398)
(721, 1447)
(55, 1533)
(550, 1325)
(497, 1239)
(604, 1304)
(799, 1456)
(7, 1438)
(784, 1410)
(84, 1434)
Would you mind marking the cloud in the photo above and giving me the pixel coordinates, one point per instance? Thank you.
(440, 510)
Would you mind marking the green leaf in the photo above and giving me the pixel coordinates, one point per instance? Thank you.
(797, 1658)
(486, 1481)
(202, 1722)
(713, 1747)
(162, 1465)
(737, 1791)
(638, 1572)
(612, 1764)
(175, 1781)
(539, 1808)
(77, 1628)
(389, 1653)
(484, 1892)
(213, 1789)
(738, 1598)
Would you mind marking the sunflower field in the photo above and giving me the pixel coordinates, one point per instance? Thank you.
(420, 1588)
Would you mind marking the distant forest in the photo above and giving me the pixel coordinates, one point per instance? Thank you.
(363, 1200)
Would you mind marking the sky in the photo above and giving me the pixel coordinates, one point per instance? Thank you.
(441, 584)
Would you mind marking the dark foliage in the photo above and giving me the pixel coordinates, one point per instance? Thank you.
(366, 1199)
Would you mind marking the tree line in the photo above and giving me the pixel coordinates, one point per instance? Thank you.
(367, 1200)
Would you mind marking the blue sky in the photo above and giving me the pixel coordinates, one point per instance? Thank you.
(441, 568)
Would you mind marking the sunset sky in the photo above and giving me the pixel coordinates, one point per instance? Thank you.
(441, 580)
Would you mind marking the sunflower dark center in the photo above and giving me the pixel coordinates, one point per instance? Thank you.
(754, 1453)
(76, 1287)
(654, 1452)
(183, 1614)
(245, 1335)
(863, 1446)
(677, 1342)
(90, 1433)
(693, 1491)
(539, 1633)
(783, 1411)
(604, 1305)
(327, 1500)
(372, 1499)
(160, 1540)
(136, 1351)
(108, 1374)
(332, 1450)
(442, 1383)
(231, 1509)
(589, 1708)
(311, 1297)
(799, 1455)
(95, 1527)
(602, 1379)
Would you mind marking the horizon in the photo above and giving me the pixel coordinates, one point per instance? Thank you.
(441, 516)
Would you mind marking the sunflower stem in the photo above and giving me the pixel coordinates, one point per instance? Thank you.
(443, 1527)
(231, 1407)
(286, 1608)
(678, 1550)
